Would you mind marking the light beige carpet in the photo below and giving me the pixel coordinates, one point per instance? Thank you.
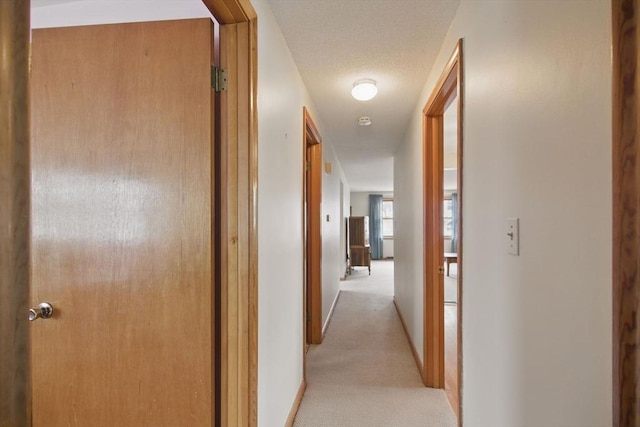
(364, 374)
(451, 285)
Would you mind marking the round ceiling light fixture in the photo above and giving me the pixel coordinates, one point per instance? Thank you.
(364, 90)
(364, 121)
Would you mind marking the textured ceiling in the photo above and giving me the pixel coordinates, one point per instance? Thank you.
(336, 42)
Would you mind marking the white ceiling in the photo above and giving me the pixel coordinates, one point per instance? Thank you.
(336, 42)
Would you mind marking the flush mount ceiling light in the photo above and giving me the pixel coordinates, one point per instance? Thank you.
(364, 121)
(364, 90)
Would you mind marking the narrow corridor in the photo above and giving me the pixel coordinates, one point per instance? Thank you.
(364, 373)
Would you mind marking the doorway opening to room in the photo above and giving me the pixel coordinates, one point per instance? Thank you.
(370, 230)
(450, 231)
(370, 251)
(442, 138)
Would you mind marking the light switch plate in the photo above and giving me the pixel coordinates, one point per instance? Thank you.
(513, 236)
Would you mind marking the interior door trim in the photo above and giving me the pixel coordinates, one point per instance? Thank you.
(14, 213)
(626, 204)
(238, 257)
(312, 187)
(448, 87)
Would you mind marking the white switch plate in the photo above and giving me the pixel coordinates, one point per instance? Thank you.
(513, 236)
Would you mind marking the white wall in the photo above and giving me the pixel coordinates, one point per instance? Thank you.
(333, 255)
(281, 96)
(387, 247)
(408, 229)
(537, 142)
(360, 203)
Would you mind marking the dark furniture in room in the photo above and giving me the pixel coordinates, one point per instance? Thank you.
(359, 250)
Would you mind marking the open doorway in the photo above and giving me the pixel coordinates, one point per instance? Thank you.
(443, 217)
(450, 234)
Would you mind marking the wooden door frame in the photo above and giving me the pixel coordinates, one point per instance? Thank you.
(312, 289)
(14, 211)
(449, 86)
(238, 257)
(626, 205)
(238, 187)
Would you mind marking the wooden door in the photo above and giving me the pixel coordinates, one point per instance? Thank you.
(313, 230)
(434, 254)
(626, 204)
(356, 231)
(121, 238)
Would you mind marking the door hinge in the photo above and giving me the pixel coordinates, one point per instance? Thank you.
(307, 166)
(441, 269)
(218, 79)
(308, 318)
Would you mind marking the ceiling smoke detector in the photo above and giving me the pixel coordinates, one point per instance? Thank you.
(364, 121)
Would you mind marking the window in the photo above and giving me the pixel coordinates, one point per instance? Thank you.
(387, 218)
(447, 217)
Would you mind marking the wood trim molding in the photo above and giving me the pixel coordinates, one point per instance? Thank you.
(14, 213)
(450, 85)
(305, 249)
(311, 130)
(231, 11)
(238, 186)
(252, 190)
(314, 241)
(312, 149)
(461, 100)
(433, 293)
(446, 83)
(296, 404)
(626, 205)
(330, 315)
(414, 351)
(238, 228)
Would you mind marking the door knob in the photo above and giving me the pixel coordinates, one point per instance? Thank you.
(44, 311)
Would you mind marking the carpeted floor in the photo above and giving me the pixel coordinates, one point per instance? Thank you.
(451, 285)
(364, 374)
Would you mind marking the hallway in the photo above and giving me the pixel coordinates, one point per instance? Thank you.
(364, 373)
